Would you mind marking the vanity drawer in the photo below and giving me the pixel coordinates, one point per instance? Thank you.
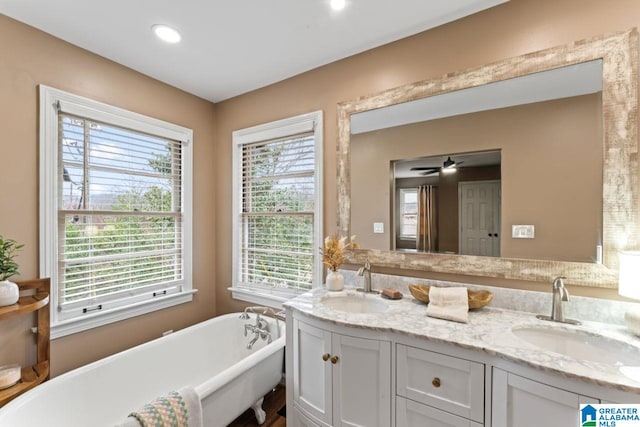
(445, 382)
(413, 414)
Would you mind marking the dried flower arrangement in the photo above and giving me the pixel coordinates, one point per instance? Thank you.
(333, 254)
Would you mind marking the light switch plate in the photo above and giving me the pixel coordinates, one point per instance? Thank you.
(378, 227)
(523, 231)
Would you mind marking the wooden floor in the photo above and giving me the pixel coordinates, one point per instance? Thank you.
(273, 402)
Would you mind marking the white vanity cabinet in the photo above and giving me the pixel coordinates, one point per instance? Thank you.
(522, 402)
(341, 376)
(339, 380)
(338, 375)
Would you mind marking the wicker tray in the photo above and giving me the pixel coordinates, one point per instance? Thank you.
(477, 299)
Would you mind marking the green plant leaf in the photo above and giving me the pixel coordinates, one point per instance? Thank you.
(8, 252)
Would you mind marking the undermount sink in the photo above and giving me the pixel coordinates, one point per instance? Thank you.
(580, 345)
(355, 303)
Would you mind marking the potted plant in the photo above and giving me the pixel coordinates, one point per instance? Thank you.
(8, 267)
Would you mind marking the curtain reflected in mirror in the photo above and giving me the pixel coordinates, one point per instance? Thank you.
(427, 224)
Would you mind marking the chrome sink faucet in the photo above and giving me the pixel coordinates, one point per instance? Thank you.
(560, 294)
(365, 271)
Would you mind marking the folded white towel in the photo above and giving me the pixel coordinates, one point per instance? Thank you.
(449, 304)
(176, 409)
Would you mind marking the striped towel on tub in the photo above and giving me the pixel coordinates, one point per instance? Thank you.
(180, 408)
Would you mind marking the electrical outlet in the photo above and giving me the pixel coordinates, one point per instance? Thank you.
(523, 231)
(378, 227)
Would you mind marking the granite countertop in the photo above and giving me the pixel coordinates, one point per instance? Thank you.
(489, 330)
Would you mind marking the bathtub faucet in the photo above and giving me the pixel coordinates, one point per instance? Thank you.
(261, 310)
(260, 331)
(259, 334)
(261, 325)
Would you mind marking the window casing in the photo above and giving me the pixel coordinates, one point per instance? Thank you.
(115, 190)
(277, 209)
(408, 213)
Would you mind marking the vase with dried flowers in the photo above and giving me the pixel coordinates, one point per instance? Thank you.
(333, 255)
(9, 292)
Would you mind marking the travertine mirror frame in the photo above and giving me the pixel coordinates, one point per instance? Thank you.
(619, 54)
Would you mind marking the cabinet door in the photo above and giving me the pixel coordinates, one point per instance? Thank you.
(520, 402)
(413, 414)
(312, 374)
(361, 382)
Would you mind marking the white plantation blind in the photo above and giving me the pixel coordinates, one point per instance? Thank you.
(120, 219)
(278, 184)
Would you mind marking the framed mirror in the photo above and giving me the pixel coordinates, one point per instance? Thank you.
(563, 124)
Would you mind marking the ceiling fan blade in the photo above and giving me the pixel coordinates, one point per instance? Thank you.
(449, 163)
(424, 168)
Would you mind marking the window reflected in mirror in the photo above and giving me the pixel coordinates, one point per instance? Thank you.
(407, 214)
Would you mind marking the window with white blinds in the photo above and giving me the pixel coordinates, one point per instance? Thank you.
(277, 207)
(120, 211)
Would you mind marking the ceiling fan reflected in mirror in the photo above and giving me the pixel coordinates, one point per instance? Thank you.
(448, 166)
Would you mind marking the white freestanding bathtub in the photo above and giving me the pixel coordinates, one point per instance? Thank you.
(211, 356)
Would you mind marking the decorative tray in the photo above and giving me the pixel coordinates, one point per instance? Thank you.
(477, 299)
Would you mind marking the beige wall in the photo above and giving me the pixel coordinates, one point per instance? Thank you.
(511, 29)
(30, 57)
(551, 167)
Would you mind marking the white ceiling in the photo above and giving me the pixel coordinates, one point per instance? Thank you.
(229, 48)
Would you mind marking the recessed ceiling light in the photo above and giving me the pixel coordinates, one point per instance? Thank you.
(166, 34)
(338, 4)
